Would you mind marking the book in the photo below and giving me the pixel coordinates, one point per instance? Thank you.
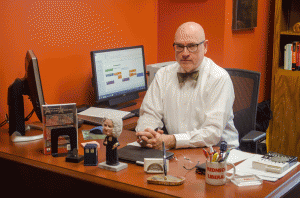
(288, 56)
(294, 55)
(298, 57)
(274, 162)
(58, 116)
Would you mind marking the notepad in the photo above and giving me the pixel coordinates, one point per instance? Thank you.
(134, 154)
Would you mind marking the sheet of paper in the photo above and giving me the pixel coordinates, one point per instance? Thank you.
(237, 156)
(134, 144)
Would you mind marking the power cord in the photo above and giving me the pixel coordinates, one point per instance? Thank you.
(5, 121)
(7, 118)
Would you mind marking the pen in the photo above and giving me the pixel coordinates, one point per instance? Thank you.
(164, 160)
(205, 153)
(211, 150)
(226, 156)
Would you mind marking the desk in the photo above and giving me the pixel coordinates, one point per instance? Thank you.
(57, 176)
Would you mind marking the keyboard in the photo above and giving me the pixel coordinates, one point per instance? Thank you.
(133, 113)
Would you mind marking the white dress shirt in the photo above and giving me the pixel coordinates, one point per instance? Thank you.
(198, 113)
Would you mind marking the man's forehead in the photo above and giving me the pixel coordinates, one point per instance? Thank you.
(187, 37)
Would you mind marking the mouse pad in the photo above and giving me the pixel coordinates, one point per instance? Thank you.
(91, 136)
(131, 154)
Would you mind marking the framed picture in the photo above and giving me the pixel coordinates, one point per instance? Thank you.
(244, 14)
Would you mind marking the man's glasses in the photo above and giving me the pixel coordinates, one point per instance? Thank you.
(190, 47)
(185, 162)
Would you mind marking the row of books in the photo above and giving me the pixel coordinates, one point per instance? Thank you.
(292, 56)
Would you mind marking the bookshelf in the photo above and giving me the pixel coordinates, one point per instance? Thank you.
(283, 135)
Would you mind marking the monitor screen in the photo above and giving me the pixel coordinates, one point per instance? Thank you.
(118, 73)
(31, 86)
(34, 83)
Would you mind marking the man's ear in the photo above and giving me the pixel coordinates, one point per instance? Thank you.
(205, 46)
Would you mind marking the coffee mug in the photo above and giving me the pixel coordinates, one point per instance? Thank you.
(215, 173)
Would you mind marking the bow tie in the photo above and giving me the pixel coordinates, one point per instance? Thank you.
(184, 76)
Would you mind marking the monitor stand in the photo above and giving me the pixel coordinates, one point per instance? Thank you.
(16, 112)
(123, 105)
(121, 102)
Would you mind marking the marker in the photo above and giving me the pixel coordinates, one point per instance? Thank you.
(215, 157)
(223, 147)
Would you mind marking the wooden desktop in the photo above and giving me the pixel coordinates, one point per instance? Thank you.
(24, 165)
(25, 170)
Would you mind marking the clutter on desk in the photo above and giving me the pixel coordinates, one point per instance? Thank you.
(168, 180)
(216, 172)
(155, 165)
(96, 115)
(74, 157)
(213, 156)
(274, 162)
(247, 180)
(90, 155)
(97, 130)
(245, 168)
(87, 135)
(83, 144)
(58, 116)
(70, 132)
(112, 128)
(165, 179)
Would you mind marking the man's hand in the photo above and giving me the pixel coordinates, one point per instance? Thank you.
(153, 139)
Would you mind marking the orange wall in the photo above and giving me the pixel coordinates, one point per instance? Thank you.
(236, 49)
(209, 13)
(62, 34)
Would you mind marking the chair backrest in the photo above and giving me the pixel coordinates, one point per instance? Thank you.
(246, 87)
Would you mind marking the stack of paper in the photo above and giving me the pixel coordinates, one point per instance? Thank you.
(245, 168)
(96, 115)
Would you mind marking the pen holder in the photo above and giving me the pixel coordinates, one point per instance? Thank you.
(215, 173)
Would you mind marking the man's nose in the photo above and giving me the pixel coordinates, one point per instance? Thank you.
(185, 53)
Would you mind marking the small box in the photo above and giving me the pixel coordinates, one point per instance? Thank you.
(90, 155)
(247, 180)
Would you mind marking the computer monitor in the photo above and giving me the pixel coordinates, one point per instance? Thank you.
(29, 85)
(118, 75)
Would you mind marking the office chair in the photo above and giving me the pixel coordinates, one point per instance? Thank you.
(246, 87)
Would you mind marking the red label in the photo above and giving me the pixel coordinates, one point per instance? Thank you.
(215, 176)
(219, 170)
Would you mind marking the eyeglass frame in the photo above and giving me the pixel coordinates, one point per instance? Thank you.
(187, 46)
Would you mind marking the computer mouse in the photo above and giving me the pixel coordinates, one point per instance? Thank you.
(97, 130)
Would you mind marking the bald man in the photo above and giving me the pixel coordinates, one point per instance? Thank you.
(192, 98)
